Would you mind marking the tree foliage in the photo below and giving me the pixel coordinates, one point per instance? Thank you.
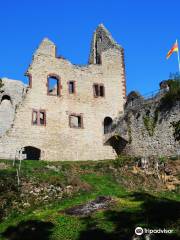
(172, 95)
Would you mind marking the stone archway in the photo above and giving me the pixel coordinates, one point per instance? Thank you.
(117, 143)
(32, 153)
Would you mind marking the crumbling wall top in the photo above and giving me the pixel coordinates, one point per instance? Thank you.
(46, 47)
(102, 41)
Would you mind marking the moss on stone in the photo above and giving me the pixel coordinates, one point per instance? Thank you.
(150, 123)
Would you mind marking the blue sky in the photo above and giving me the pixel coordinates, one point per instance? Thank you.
(146, 30)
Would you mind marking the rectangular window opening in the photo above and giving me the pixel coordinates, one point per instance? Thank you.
(35, 117)
(42, 118)
(96, 90)
(76, 121)
(99, 90)
(53, 86)
(79, 122)
(71, 87)
(39, 117)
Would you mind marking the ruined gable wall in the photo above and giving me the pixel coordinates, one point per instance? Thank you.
(57, 140)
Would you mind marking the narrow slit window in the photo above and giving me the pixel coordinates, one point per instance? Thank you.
(71, 87)
(79, 121)
(35, 117)
(101, 91)
(96, 90)
(42, 118)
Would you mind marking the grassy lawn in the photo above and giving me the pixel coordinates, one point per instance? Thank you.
(133, 207)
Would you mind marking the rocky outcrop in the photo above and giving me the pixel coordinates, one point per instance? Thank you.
(100, 203)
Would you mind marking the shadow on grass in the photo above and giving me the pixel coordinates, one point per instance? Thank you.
(29, 230)
(155, 213)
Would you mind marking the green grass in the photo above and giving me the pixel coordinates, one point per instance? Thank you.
(131, 208)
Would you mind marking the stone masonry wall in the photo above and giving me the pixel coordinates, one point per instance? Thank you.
(11, 95)
(57, 140)
(146, 139)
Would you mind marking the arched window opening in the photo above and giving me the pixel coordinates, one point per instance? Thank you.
(53, 85)
(107, 125)
(31, 153)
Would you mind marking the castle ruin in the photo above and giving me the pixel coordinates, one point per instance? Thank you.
(66, 109)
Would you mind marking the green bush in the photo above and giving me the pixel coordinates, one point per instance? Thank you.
(162, 159)
(172, 95)
(150, 123)
(121, 161)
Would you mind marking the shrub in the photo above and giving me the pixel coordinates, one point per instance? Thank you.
(150, 123)
(75, 181)
(121, 161)
(172, 95)
(162, 159)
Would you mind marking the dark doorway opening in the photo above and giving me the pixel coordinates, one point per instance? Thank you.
(107, 125)
(6, 97)
(32, 153)
(117, 143)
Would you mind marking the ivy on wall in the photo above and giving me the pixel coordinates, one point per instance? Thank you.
(150, 123)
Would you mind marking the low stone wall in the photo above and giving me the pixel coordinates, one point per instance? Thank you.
(149, 130)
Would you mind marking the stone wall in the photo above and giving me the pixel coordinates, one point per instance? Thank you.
(56, 140)
(101, 42)
(148, 130)
(11, 95)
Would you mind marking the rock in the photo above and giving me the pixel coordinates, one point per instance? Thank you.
(68, 189)
(37, 190)
(101, 202)
(45, 197)
(3, 166)
(26, 205)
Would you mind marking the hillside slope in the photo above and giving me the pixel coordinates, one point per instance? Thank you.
(38, 207)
